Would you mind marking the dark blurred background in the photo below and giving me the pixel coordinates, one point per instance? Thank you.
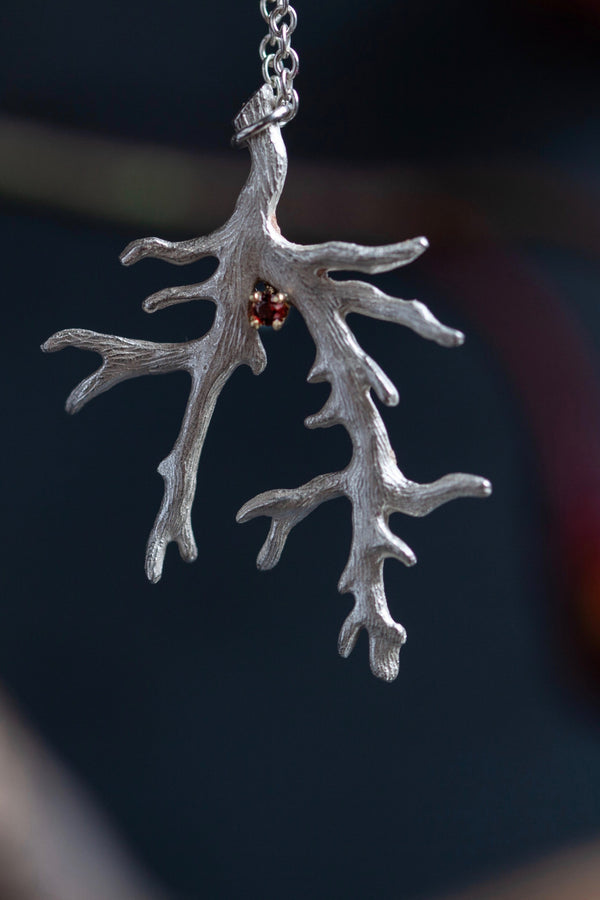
(210, 717)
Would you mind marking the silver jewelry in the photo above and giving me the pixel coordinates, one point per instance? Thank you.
(260, 274)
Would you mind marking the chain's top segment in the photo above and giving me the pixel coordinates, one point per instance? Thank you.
(279, 60)
(280, 66)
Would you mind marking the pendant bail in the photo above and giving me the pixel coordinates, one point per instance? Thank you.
(281, 115)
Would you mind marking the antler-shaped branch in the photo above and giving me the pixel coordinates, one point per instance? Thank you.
(210, 363)
(251, 249)
(372, 481)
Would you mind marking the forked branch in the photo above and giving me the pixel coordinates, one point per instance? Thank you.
(122, 358)
(286, 509)
(372, 481)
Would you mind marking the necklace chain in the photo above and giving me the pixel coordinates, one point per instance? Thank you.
(280, 62)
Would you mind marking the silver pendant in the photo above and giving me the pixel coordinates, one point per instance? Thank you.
(251, 250)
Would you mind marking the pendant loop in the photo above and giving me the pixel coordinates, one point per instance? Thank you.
(281, 115)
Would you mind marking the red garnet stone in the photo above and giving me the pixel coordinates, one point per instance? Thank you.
(268, 306)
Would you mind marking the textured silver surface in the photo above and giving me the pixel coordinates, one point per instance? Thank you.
(250, 248)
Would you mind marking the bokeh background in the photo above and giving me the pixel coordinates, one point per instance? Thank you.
(230, 750)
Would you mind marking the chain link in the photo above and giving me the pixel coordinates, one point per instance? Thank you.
(280, 62)
(279, 66)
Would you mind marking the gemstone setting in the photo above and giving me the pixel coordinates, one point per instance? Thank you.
(268, 306)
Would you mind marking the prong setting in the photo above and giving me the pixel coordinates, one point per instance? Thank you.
(269, 307)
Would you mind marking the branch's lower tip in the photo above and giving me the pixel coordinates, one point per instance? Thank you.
(348, 636)
(486, 487)
(384, 652)
(154, 565)
(423, 242)
(243, 515)
(187, 555)
(153, 573)
(387, 670)
(345, 650)
(50, 344)
(269, 555)
(459, 338)
(127, 256)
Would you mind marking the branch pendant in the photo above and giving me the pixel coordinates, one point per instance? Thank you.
(252, 252)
